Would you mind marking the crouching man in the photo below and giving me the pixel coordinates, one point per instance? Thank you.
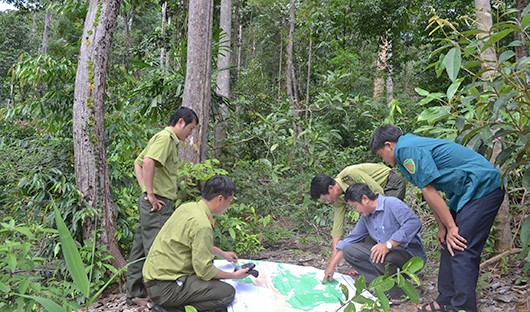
(391, 224)
(179, 269)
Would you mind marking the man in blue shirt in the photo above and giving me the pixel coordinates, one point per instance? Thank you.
(391, 224)
(473, 189)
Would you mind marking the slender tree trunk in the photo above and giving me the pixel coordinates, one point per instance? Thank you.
(280, 67)
(181, 26)
(46, 32)
(390, 75)
(91, 169)
(308, 81)
(522, 50)
(235, 42)
(381, 67)
(223, 76)
(197, 88)
(163, 33)
(484, 23)
(290, 74)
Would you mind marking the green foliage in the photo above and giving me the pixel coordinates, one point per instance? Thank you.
(240, 229)
(380, 285)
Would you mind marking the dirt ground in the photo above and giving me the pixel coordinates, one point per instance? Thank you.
(497, 291)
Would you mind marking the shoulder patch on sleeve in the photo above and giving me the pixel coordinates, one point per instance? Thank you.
(409, 165)
(347, 180)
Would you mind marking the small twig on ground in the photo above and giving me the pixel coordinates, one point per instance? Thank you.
(499, 256)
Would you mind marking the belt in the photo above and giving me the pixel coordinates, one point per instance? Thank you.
(150, 283)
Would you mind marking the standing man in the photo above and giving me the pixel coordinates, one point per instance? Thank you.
(156, 172)
(395, 233)
(473, 189)
(380, 178)
(179, 269)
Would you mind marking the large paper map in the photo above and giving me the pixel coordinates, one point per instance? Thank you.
(286, 287)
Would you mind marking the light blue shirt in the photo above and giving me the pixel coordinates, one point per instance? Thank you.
(391, 220)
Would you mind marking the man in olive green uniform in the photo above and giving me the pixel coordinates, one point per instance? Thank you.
(156, 172)
(179, 269)
(380, 178)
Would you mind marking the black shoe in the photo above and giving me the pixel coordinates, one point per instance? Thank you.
(157, 308)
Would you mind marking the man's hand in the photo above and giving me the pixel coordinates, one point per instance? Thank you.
(230, 256)
(242, 273)
(454, 241)
(328, 274)
(155, 202)
(440, 236)
(379, 252)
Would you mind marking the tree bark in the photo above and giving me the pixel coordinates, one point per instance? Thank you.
(381, 67)
(46, 32)
(236, 41)
(163, 33)
(197, 88)
(91, 169)
(522, 50)
(484, 23)
(223, 73)
(308, 81)
(292, 90)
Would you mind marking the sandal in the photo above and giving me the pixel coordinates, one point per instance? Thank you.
(441, 307)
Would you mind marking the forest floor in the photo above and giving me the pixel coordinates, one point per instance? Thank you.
(497, 290)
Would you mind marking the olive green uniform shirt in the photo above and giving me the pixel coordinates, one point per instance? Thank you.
(374, 175)
(184, 246)
(163, 147)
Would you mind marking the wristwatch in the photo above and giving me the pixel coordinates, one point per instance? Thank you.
(389, 245)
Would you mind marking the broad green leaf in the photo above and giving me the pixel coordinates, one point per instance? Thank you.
(350, 308)
(189, 308)
(273, 147)
(71, 255)
(506, 55)
(421, 92)
(452, 62)
(383, 300)
(413, 265)
(453, 88)
(382, 283)
(48, 304)
(410, 290)
(345, 291)
(495, 38)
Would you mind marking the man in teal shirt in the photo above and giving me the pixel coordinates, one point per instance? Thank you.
(179, 269)
(473, 189)
(156, 172)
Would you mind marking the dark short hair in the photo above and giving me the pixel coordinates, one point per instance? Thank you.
(355, 192)
(385, 133)
(218, 185)
(320, 186)
(185, 113)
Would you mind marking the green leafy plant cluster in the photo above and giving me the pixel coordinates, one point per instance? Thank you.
(487, 102)
(380, 285)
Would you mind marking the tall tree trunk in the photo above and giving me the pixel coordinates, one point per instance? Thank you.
(390, 74)
(292, 90)
(163, 33)
(223, 60)
(522, 50)
(308, 81)
(127, 14)
(504, 230)
(484, 23)
(91, 169)
(381, 67)
(46, 32)
(235, 42)
(223, 70)
(197, 88)
(280, 67)
(181, 26)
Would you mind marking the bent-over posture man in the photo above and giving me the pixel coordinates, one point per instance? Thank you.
(472, 186)
(179, 269)
(380, 178)
(156, 172)
(394, 229)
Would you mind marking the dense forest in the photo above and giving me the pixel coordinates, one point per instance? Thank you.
(284, 90)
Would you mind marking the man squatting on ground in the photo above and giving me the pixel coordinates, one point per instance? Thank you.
(179, 269)
(394, 229)
(156, 172)
(380, 178)
(472, 186)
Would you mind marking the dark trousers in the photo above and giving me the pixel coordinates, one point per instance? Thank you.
(148, 227)
(458, 275)
(358, 255)
(173, 296)
(396, 185)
